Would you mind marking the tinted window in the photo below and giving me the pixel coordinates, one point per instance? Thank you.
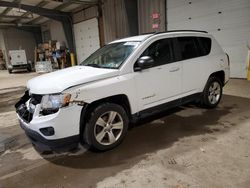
(161, 51)
(205, 44)
(188, 47)
(192, 47)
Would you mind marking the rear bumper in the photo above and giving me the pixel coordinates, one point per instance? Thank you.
(23, 66)
(43, 144)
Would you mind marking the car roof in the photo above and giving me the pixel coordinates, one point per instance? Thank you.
(138, 38)
(142, 37)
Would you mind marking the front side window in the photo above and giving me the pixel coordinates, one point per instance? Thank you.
(161, 51)
(111, 56)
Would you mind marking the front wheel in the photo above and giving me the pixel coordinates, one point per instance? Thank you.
(212, 93)
(29, 67)
(106, 127)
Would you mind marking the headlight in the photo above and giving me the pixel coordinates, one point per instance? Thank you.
(52, 103)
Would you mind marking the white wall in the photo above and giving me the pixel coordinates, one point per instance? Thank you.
(16, 39)
(86, 38)
(56, 31)
(227, 20)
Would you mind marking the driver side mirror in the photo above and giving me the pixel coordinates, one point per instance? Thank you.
(144, 63)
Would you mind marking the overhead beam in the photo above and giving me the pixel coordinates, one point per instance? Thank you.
(8, 9)
(58, 15)
(82, 2)
(36, 20)
(40, 4)
(18, 25)
(53, 14)
(16, 17)
(60, 7)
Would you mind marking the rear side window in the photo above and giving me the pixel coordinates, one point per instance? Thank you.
(192, 47)
(205, 44)
(188, 47)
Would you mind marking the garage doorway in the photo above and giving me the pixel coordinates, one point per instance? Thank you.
(86, 38)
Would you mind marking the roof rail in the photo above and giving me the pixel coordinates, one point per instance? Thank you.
(173, 31)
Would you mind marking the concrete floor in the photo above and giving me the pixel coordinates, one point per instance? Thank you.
(16, 79)
(185, 147)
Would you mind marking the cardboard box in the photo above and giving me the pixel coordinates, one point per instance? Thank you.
(46, 45)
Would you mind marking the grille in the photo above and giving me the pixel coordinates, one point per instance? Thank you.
(22, 110)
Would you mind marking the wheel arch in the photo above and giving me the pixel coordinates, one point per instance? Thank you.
(220, 75)
(120, 99)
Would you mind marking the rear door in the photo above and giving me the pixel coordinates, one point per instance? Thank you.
(193, 56)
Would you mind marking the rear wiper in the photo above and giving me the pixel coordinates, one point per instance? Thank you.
(93, 65)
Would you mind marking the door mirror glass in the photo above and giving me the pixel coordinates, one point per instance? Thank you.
(144, 63)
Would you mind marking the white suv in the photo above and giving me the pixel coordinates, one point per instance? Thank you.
(93, 103)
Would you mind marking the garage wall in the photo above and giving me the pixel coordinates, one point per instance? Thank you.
(227, 20)
(2, 45)
(112, 23)
(85, 14)
(115, 20)
(148, 23)
(56, 31)
(17, 39)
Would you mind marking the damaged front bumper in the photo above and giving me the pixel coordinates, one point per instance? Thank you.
(56, 131)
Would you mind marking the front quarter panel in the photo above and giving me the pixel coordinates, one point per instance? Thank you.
(97, 90)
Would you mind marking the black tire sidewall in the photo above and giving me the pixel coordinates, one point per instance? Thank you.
(89, 137)
(205, 100)
(29, 67)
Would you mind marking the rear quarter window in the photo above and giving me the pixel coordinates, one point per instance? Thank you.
(205, 45)
(192, 47)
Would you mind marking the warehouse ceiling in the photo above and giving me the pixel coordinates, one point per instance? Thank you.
(11, 14)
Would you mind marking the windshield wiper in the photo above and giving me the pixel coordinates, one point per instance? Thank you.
(93, 65)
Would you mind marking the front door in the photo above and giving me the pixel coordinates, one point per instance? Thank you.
(162, 82)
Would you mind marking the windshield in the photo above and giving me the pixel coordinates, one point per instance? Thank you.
(111, 56)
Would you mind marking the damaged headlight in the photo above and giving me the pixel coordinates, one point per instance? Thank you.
(51, 103)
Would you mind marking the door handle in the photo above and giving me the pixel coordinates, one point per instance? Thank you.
(174, 69)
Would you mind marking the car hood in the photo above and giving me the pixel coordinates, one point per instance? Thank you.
(60, 80)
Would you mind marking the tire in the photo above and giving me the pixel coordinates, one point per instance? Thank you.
(106, 127)
(212, 93)
(29, 69)
(10, 71)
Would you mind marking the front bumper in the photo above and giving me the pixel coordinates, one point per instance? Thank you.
(65, 123)
(44, 144)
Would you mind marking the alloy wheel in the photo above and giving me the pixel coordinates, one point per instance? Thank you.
(108, 128)
(214, 92)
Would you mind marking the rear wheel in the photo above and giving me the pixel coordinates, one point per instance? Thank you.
(212, 93)
(106, 127)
